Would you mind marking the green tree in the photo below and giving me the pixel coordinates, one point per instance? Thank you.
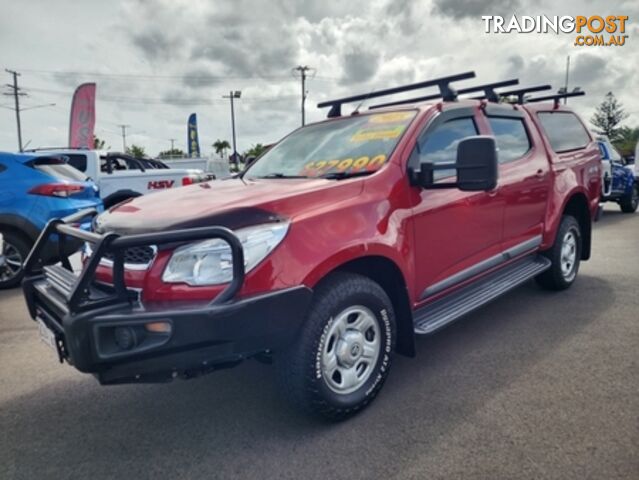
(255, 150)
(221, 146)
(171, 152)
(136, 151)
(626, 140)
(608, 116)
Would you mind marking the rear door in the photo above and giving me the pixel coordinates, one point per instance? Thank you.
(457, 234)
(524, 177)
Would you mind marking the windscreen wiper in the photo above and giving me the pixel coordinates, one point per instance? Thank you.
(281, 175)
(343, 175)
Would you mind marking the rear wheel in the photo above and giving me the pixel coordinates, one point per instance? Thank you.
(342, 356)
(630, 202)
(13, 252)
(565, 256)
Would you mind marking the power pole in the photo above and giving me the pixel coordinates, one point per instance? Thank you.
(172, 140)
(123, 128)
(303, 69)
(15, 91)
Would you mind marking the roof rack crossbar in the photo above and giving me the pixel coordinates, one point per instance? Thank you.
(521, 93)
(556, 97)
(488, 89)
(447, 92)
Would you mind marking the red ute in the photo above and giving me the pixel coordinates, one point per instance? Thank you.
(333, 249)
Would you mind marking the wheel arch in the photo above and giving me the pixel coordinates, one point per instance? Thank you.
(389, 276)
(19, 226)
(577, 206)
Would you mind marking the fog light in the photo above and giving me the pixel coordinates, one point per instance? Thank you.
(158, 327)
(125, 338)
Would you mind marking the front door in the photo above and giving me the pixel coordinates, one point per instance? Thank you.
(456, 234)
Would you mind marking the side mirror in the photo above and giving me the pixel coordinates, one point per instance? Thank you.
(476, 166)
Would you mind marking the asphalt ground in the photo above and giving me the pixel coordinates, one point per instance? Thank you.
(535, 385)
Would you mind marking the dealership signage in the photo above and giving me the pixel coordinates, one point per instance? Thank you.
(594, 30)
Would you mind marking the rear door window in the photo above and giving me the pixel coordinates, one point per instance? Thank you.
(511, 137)
(77, 161)
(564, 131)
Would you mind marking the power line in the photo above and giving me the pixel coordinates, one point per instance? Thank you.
(163, 101)
(147, 76)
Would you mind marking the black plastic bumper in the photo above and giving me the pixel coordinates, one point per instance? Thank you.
(107, 331)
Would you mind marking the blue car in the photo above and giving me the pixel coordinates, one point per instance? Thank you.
(619, 182)
(34, 190)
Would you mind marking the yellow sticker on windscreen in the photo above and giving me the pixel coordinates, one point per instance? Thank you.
(392, 117)
(368, 134)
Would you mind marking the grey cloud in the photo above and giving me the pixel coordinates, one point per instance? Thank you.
(403, 11)
(200, 77)
(156, 44)
(359, 65)
(475, 9)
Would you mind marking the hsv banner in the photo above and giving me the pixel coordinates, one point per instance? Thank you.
(192, 140)
(82, 121)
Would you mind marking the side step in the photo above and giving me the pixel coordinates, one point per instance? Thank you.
(434, 316)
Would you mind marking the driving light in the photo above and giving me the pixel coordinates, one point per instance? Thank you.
(211, 263)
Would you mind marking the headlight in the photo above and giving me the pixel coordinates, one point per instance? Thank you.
(211, 263)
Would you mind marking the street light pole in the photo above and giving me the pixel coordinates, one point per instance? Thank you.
(232, 95)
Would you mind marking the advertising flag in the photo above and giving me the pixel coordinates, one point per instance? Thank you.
(82, 123)
(192, 140)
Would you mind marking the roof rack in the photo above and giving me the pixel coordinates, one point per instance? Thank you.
(557, 97)
(488, 89)
(521, 93)
(447, 92)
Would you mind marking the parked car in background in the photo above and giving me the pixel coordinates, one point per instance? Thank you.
(33, 190)
(218, 167)
(620, 184)
(120, 176)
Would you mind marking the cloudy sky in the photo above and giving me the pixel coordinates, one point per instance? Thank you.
(155, 62)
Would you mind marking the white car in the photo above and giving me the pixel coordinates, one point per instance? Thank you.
(120, 176)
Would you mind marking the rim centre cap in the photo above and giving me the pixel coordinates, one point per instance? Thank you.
(349, 348)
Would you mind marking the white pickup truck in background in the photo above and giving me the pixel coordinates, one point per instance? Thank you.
(120, 176)
(214, 165)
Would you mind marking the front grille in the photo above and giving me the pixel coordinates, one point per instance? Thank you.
(136, 255)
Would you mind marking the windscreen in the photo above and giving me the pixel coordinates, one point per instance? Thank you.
(352, 145)
(59, 169)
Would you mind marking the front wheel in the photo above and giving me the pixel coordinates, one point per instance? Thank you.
(565, 256)
(630, 202)
(342, 356)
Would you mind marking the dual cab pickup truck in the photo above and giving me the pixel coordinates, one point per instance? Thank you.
(332, 251)
(120, 176)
